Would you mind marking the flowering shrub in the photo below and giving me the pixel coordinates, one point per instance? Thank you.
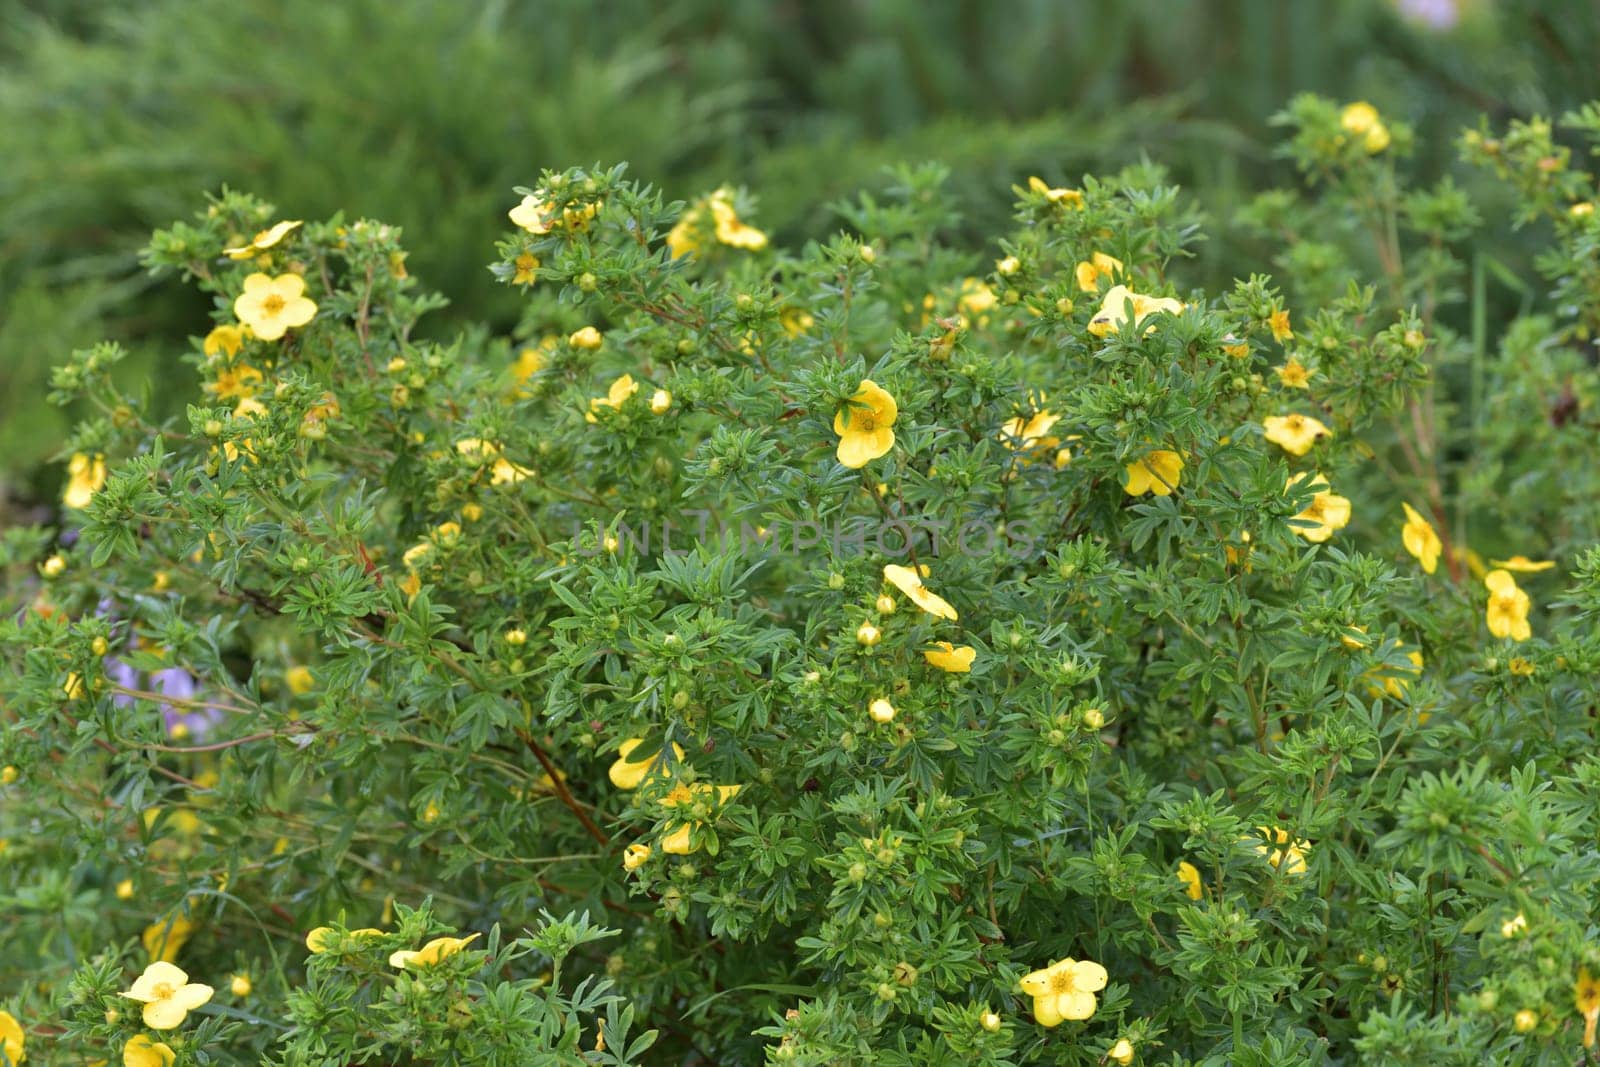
(873, 652)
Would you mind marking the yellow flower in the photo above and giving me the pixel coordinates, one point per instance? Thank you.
(635, 856)
(676, 841)
(948, 657)
(1289, 855)
(144, 1051)
(682, 238)
(270, 306)
(865, 425)
(12, 1038)
(223, 341)
(909, 582)
(1064, 990)
(1020, 434)
(440, 948)
(1295, 434)
(1121, 1052)
(1090, 271)
(1586, 998)
(163, 939)
(299, 679)
(1327, 511)
(263, 240)
(1525, 1020)
(1278, 322)
(616, 395)
(167, 995)
(976, 296)
(124, 889)
(529, 361)
(1395, 685)
(731, 231)
(588, 339)
(240, 985)
(1420, 539)
(868, 634)
(1513, 926)
(324, 938)
(1361, 119)
(530, 215)
(1507, 612)
(1158, 473)
(881, 711)
(1113, 309)
(1294, 375)
(796, 321)
(1523, 565)
(502, 470)
(85, 475)
(660, 402)
(240, 381)
(1070, 198)
(527, 264)
(628, 774)
(1189, 875)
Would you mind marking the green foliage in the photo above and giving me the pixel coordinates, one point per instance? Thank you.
(392, 638)
(423, 113)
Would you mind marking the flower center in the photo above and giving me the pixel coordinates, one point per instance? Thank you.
(866, 422)
(1062, 983)
(1314, 509)
(272, 305)
(162, 990)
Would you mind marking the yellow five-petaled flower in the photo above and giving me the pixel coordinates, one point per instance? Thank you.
(865, 425)
(85, 476)
(1090, 271)
(1189, 876)
(1283, 851)
(1070, 198)
(1113, 309)
(1064, 990)
(12, 1037)
(948, 657)
(142, 1050)
(909, 582)
(439, 948)
(1158, 472)
(1326, 513)
(1295, 434)
(1586, 998)
(1420, 539)
(167, 995)
(703, 795)
(263, 240)
(270, 306)
(1507, 611)
(627, 773)
(617, 394)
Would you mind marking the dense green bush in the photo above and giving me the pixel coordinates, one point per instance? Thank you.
(420, 113)
(857, 652)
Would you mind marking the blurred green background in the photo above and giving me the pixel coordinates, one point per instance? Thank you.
(117, 118)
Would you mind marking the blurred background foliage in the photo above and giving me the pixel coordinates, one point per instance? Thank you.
(116, 119)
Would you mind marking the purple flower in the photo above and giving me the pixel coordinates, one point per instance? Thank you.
(172, 682)
(1434, 14)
